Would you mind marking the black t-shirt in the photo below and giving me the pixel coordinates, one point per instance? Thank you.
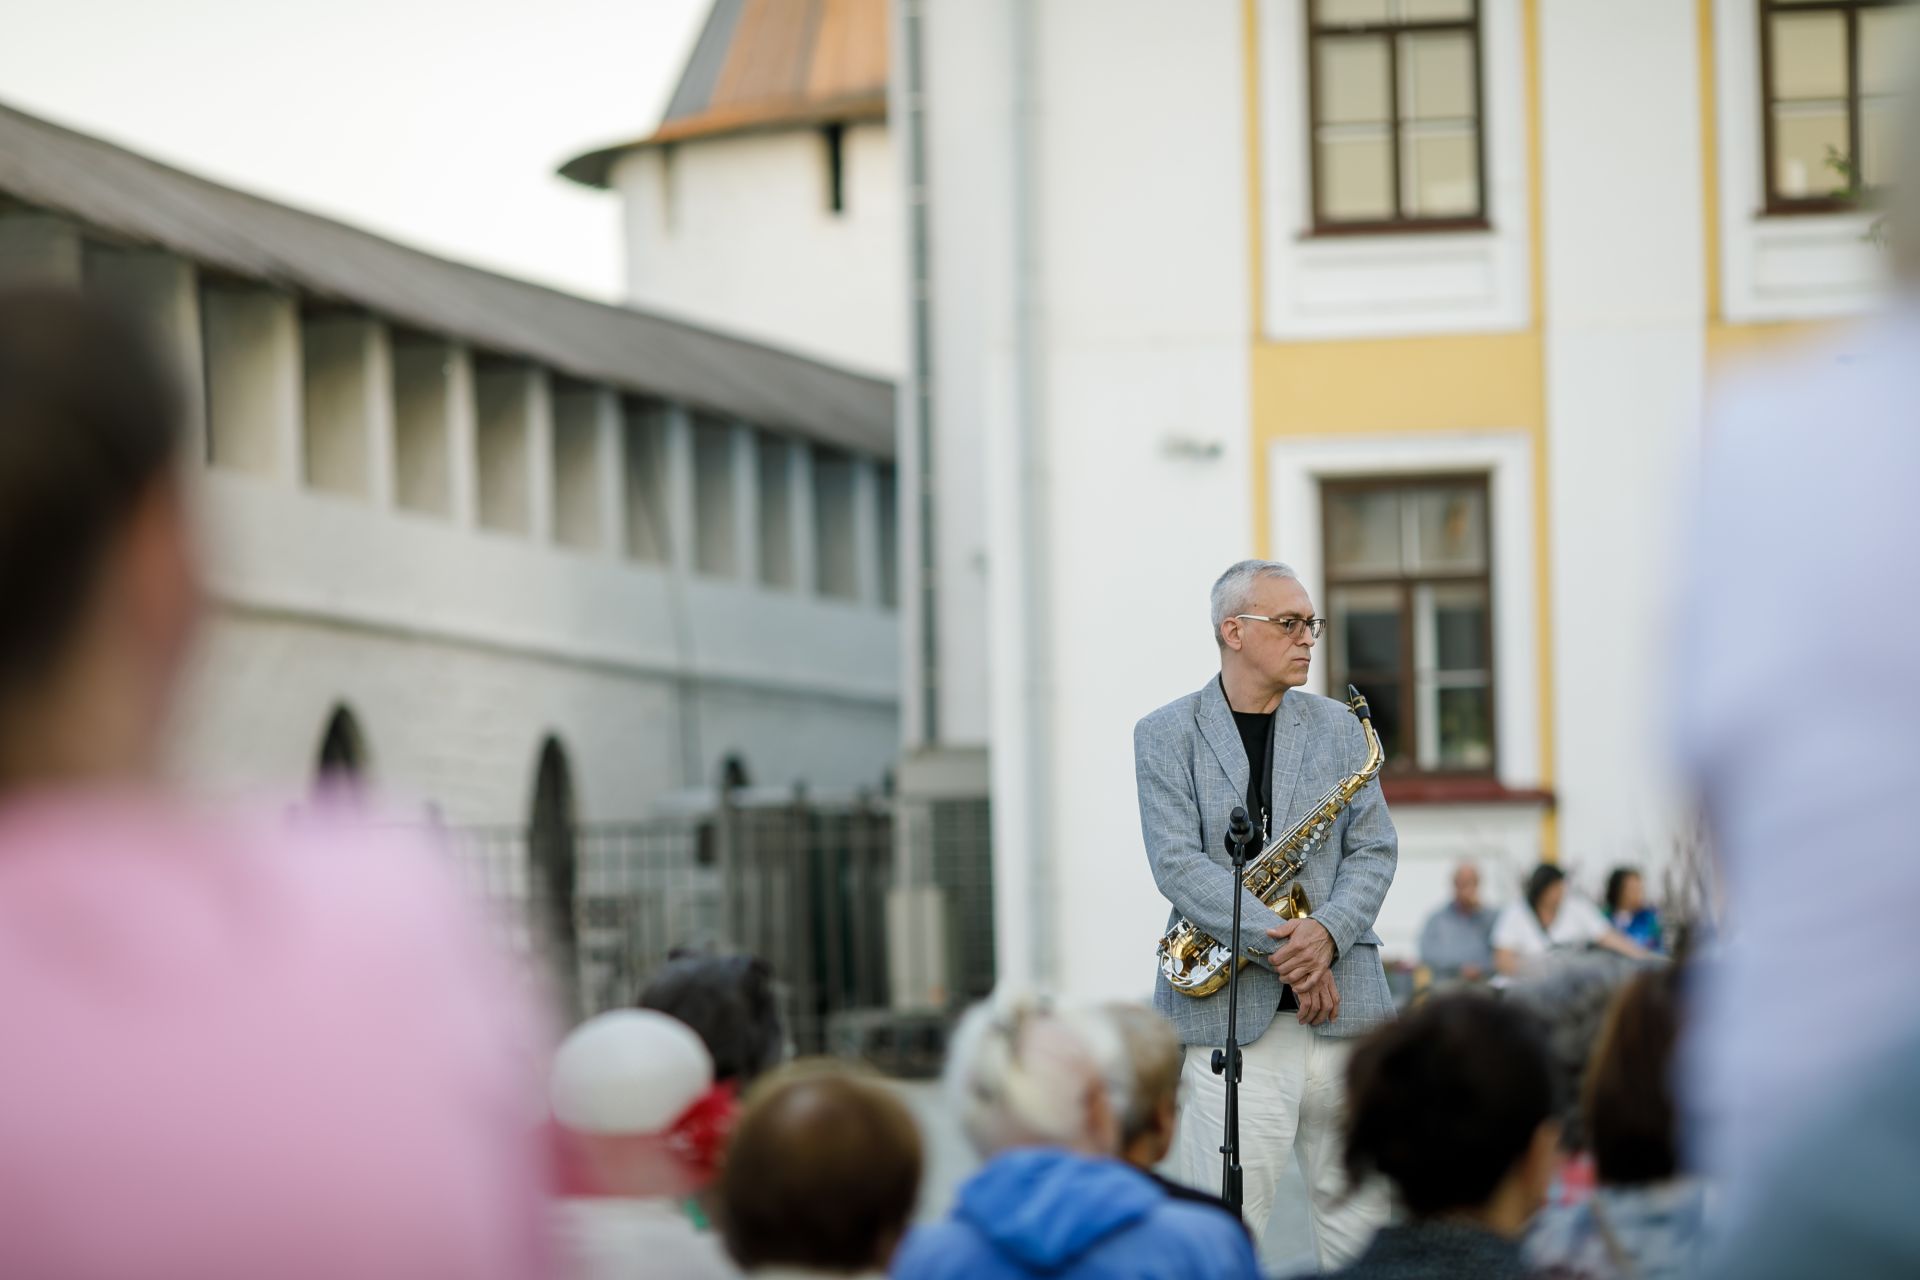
(1256, 735)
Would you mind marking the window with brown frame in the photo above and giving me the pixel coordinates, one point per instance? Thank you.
(1830, 72)
(1409, 615)
(1393, 100)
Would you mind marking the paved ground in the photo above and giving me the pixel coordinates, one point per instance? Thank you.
(1289, 1249)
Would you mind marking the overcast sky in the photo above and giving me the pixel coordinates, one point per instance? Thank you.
(436, 122)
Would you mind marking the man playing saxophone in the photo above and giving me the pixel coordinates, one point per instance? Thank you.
(1252, 736)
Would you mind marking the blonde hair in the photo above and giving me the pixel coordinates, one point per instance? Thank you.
(1155, 1056)
(1019, 1075)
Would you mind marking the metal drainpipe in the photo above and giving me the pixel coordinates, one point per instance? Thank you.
(920, 270)
(1029, 374)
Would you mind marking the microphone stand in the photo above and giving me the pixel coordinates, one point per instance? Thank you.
(1226, 1061)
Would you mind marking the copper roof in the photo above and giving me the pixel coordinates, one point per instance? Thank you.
(768, 64)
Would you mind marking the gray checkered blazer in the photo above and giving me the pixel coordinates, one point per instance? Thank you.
(1192, 770)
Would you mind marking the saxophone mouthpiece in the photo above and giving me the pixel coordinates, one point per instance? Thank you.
(1358, 703)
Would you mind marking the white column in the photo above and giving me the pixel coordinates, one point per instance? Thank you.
(463, 445)
(746, 505)
(253, 381)
(380, 415)
(286, 371)
(806, 561)
(1625, 355)
(40, 248)
(539, 408)
(679, 495)
(609, 469)
(866, 532)
(347, 407)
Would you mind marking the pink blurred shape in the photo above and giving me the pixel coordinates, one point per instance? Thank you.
(243, 1049)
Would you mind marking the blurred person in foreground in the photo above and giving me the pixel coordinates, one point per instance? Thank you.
(1548, 919)
(1453, 1106)
(1039, 1097)
(1630, 913)
(1456, 943)
(821, 1176)
(1647, 1219)
(1796, 701)
(634, 1096)
(1154, 1061)
(234, 1049)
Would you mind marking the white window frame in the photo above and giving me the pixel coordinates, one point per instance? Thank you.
(1798, 266)
(1391, 284)
(1298, 465)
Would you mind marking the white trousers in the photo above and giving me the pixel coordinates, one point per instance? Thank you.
(1292, 1100)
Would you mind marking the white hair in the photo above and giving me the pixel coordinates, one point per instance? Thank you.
(1018, 1074)
(1234, 588)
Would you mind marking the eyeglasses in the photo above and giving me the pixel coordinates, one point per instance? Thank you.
(1289, 624)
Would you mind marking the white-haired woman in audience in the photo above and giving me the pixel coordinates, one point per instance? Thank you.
(1039, 1095)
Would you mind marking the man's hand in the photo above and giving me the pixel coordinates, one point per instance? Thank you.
(1472, 972)
(1307, 955)
(1319, 1000)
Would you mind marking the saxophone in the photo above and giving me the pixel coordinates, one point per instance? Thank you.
(1194, 961)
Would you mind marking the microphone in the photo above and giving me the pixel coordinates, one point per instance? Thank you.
(1239, 829)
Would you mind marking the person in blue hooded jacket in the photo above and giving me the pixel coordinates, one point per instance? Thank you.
(1039, 1096)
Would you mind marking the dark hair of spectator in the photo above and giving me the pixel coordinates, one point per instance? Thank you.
(1628, 1095)
(821, 1174)
(1617, 885)
(89, 419)
(1445, 1102)
(1544, 877)
(728, 1000)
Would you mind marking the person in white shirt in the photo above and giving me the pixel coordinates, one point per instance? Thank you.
(1549, 919)
(633, 1095)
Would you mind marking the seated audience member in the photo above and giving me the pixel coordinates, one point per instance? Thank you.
(1039, 1096)
(1154, 1059)
(728, 1001)
(821, 1176)
(1452, 1105)
(1628, 910)
(1550, 919)
(1456, 943)
(234, 1048)
(1645, 1220)
(633, 1094)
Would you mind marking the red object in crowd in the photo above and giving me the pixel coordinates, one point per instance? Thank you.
(1574, 1181)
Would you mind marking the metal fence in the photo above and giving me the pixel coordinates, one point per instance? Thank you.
(602, 906)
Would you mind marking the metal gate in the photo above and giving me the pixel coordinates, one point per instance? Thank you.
(802, 885)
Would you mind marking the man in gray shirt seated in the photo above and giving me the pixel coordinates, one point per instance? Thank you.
(1455, 944)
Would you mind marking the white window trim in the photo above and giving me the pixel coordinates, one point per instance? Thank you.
(1296, 468)
(1792, 267)
(1390, 285)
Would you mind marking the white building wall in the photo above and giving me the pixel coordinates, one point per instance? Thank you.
(1097, 601)
(736, 234)
(458, 652)
(968, 88)
(1625, 358)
